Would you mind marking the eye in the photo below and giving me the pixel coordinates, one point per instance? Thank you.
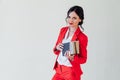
(74, 18)
(68, 17)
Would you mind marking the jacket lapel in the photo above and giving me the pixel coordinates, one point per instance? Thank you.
(63, 34)
(77, 32)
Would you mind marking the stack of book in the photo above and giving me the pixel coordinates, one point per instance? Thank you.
(72, 46)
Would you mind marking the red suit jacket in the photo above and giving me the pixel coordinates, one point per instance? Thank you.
(78, 59)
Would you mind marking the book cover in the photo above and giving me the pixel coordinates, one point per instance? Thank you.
(73, 47)
(66, 47)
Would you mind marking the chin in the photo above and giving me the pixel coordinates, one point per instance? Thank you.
(70, 25)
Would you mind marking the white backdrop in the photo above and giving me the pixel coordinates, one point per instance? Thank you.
(29, 29)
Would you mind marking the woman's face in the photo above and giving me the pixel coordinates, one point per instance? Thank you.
(73, 19)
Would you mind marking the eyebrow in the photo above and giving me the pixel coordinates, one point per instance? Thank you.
(72, 17)
(75, 17)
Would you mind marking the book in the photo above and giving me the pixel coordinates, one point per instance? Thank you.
(72, 46)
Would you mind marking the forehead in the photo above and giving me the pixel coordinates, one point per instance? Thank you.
(73, 14)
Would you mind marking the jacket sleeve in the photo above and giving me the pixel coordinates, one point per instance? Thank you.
(82, 57)
(57, 42)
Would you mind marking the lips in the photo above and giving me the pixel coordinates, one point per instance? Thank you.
(70, 23)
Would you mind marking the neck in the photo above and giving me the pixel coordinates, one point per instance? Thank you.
(72, 29)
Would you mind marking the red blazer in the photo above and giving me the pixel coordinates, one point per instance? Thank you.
(78, 59)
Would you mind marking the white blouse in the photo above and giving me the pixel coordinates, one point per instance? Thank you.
(63, 60)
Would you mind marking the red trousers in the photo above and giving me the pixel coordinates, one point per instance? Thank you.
(65, 73)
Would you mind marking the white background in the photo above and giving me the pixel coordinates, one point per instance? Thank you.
(29, 29)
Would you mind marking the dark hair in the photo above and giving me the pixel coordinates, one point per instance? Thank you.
(79, 11)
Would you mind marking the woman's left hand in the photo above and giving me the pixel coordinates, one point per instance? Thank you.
(69, 56)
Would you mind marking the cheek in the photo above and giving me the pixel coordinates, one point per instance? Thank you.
(67, 20)
(77, 22)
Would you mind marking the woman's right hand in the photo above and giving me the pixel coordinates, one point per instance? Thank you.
(59, 46)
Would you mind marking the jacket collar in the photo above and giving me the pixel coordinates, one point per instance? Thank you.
(77, 32)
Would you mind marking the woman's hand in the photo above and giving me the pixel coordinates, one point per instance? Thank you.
(59, 46)
(69, 56)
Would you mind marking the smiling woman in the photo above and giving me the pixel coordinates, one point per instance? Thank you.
(67, 66)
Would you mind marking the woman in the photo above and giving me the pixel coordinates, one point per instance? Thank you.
(68, 66)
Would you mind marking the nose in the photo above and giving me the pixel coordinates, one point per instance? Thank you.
(70, 20)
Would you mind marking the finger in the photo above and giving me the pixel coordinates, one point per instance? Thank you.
(61, 46)
(66, 53)
(71, 58)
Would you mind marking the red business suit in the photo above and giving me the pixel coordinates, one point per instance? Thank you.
(78, 59)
